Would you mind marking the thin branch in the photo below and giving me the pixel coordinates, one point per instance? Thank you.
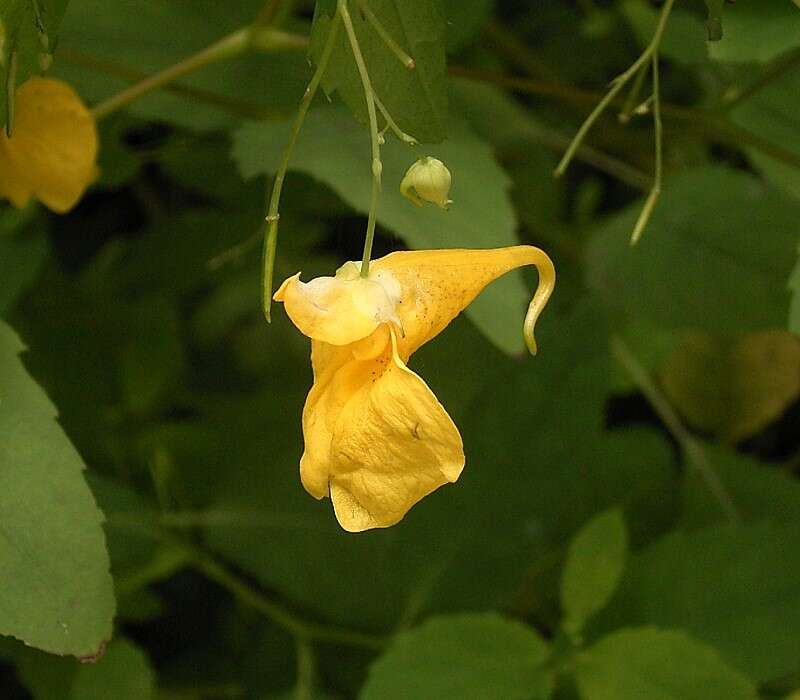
(304, 689)
(506, 42)
(243, 591)
(246, 594)
(692, 449)
(616, 85)
(231, 45)
(655, 193)
(715, 128)
(632, 100)
(387, 39)
(779, 67)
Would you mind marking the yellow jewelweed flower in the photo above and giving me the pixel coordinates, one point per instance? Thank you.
(377, 440)
(52, 151)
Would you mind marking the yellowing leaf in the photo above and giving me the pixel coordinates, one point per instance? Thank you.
(733, 388)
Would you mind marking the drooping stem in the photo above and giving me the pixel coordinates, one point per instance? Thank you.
(271, 219)
(387, 39)
(616, 86)
(377, 166)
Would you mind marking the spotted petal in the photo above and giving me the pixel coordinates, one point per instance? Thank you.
(377, 439)
(436, 285)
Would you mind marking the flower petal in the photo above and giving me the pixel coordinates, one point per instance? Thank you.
(336, 310)
(337, 376)
(52, 152)
(393, 443)
(436, 285)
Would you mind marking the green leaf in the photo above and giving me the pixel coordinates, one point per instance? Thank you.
(481, 216)
(27, 40)
(595, 561)
(110, 33)
(416, 98)
(634, 664)
(760, 491)
(773, 112)
(465, 18)
(757, 31)
(123, 673)
(733, 387)
(684, 39)
(153, 359)
(734, 587)
(23, 248)
(450, 658)
(56, 591)
(699, 264)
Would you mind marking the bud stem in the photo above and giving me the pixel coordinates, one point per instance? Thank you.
(392, 124)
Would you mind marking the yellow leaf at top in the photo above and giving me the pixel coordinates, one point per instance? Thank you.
(52, 151)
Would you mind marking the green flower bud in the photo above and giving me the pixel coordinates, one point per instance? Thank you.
(427, 180)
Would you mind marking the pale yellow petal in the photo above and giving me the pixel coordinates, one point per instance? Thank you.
(53, 147)
(436, 285)
(336, 310)
(393, 443)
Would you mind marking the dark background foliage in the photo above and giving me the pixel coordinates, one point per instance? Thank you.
(627, 525)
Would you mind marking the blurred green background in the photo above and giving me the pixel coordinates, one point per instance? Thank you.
(628, 521)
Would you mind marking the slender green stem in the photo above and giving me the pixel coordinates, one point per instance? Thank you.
(692, 449)
(239, 108)
(186, 552)
(282, 617)
(228, 46)
(387, 39)
(377, 166)
(234, 44)
(772, 72)
(271, 235)
(519, 52)
(392, 124)
(616, 85)
(631, 101)
(714, 127)
(305, 669)
(655, 192)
